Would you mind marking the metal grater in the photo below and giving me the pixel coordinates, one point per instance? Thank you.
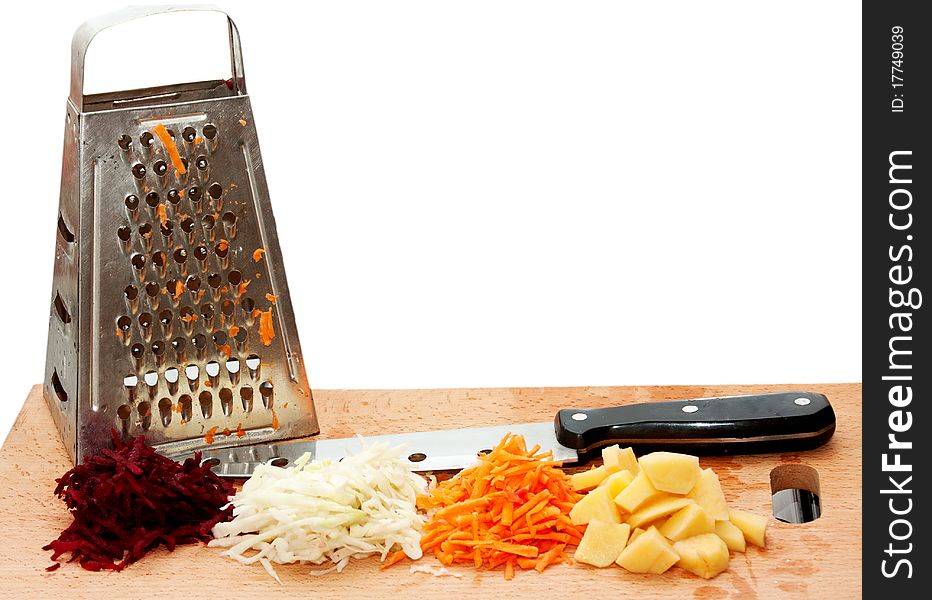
(170, 313)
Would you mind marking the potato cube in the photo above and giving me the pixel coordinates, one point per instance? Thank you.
(586, 480)
(688, 522)
(597, 504)
(754, 527)
(731, 535)
(638, 531)
(708, 494)
(705, 555)
(670, 471)
(602, 543)
(650, 552)
(636, 493)
(662, 506)
(617, 482)
(622, 458)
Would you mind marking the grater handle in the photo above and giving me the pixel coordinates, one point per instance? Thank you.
(86, 33)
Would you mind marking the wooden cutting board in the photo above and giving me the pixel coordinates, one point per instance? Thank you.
(821, 559)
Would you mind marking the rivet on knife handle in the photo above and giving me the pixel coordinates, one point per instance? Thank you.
(778, 422)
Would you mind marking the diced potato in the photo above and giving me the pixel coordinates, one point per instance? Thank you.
(650, 552)
(754, 527)
(622, 458)
(663, 506)
(708, 494)
(638, 531)
(731, 535)
(602, 543)
(689, 521)
(670, 471)
(636, 493)
(705, 555)
(586, 480)
(597, 504)
(617, 482)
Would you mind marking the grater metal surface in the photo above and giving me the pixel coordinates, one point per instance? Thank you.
(170, 312)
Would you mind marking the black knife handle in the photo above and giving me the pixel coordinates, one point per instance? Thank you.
(780, 422)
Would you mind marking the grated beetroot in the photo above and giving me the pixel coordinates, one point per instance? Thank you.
(130, 500)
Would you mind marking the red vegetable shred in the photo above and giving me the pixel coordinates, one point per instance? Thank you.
(130, 500)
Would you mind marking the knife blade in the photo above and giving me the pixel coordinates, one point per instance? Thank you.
(760, 423)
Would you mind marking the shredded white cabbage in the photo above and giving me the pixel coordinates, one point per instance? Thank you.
(320, 511)
(435, 571)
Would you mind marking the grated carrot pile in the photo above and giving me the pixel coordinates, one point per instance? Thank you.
(510, 510)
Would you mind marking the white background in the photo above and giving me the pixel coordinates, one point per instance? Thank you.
(505, 193)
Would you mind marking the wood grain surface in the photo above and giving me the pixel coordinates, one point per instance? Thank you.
(821, 559)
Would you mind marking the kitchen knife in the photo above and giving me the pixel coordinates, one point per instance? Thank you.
(778, 422)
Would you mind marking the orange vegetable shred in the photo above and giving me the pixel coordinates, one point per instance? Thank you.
(257, 254)
(510, 510)
(170, 147)
(266, 329)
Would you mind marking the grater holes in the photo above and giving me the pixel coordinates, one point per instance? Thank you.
(123, 412)
(201, 163)
(226, 401)
(137, 351)
(178, 345)
(165, 411)
(187, 407)
(245, 395)
(159, 259)
(189, 134)
(63, 230)
(248, 305)
(158, 348)
(145, 320)
(153, 288)
(125, 142)
(138, 261)
(193, 283)
(206, 400)
(180, 255)
(131, 201)
(151, 378)
(173, 196)
(200, 253)
(130, 381)
(60, 309)
(266, 390)
(194, 193)
(139, 170)
(280, 462)
(145, 415)
(229, 219)
(186, 314)
(210, 463)
(165, 318)
(192, 372)
(220, 338)
(146, 139)
(167, 227)
(58, 388)
(212, 369)
(227, 308)
(124, 323)
(234, 277)
(210, 131)
(215, 190)
(199, 341)
(152, 199)
(207, 311)
(160, 167)
(209, 222)
(171, 375)
(222, 248)
(241, 335)
(124, 233)
(145, 230)
(130, 292)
